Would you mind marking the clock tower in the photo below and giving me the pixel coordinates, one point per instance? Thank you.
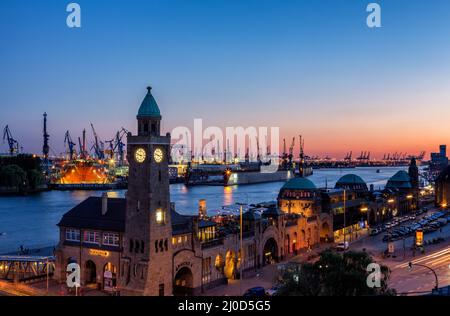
(146, 263)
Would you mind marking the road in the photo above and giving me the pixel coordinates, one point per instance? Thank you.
(419, 279)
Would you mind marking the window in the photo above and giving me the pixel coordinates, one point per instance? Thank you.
(111, 239)
(161, 289)
(72, 234)
(206, 270)
(91, 237)
(131, 245)
(159, 216)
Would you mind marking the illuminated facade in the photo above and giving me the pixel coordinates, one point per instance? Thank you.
(141, 245)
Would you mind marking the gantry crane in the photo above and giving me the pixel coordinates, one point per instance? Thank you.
(98, 145)
(12, 143)
(70, 145)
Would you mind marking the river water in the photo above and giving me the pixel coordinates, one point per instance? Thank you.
(31, 220)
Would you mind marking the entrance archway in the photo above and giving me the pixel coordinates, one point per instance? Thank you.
(325, 232)
(270, 251)
(230, 265)
(90, 272)
(109, 277)
(183, 284)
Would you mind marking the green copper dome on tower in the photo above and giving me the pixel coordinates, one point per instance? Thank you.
(149, 107)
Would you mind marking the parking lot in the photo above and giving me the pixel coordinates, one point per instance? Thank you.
(405, 226)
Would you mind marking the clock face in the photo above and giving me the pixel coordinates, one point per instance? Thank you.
(158, 155)
(140, 155)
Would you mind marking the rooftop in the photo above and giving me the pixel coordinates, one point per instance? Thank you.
(88, 215)
(400, 180)
(299, 183)
(149, 107)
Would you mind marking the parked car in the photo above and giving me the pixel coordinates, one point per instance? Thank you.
(255, 291)
(342, 246)
(272, 291)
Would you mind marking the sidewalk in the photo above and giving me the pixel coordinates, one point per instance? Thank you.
(264, 278)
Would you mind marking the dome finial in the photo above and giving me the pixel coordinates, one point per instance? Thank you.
(149, 89)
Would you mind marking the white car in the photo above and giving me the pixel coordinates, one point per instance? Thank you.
(342, 246)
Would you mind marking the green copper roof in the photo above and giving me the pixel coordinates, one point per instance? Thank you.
(399, 180)
(350, 179)
(299, 184)
(149, 107)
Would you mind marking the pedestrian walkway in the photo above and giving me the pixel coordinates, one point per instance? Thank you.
(266, 278)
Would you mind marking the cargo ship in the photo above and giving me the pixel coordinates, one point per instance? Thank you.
(241, 173)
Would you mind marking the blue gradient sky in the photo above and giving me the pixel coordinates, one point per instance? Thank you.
(310, 67)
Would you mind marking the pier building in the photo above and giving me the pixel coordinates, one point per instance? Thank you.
(141, 244)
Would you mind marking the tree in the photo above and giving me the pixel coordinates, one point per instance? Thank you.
(334, 275)
(13, 176)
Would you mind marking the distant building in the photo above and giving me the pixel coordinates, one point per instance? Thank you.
(442, 192)
(402, 191)
(439, 160)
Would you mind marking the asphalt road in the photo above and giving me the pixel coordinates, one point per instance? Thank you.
(418, 279)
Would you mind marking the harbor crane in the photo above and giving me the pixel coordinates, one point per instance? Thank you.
(12, 143)
(70, 145)
(301, 154)
(116, 146)
(82, 145)
(291, 152)
(284, 156)
(348, 156)
(98, 145)
(365, 155)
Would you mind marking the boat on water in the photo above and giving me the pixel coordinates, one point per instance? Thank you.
(240, 174)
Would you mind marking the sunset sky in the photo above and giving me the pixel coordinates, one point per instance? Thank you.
(311, 67)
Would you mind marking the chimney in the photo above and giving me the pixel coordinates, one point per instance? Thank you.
(202, 208)
(104, 203)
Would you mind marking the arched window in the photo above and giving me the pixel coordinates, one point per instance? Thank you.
(142, 246)
(156, 246)
(131, 245)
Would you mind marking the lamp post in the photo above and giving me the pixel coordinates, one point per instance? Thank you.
(344, 216)
(241, 245)
(410, 264)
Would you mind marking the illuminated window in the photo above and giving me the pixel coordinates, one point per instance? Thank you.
(111, 239)
(174, 240)
(91, 237)
(159, 216)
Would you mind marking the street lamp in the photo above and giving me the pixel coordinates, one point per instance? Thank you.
(410, 264)
(241, 246)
